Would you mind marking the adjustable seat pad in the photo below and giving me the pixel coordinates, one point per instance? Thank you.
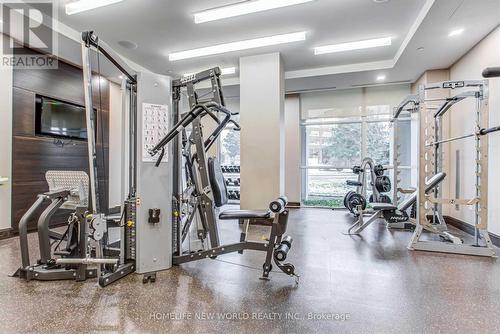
(217, 182)
(219, 190)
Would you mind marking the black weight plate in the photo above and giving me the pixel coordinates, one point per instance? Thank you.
(378, 170)
(385, 199)
(356, 200)
(383, 184)
(346, 197)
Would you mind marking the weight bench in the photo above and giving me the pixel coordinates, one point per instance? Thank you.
(277, 245)
(395, 216)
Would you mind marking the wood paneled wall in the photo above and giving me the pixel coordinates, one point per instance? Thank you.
(33, 155)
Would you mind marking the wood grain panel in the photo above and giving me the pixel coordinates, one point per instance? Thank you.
(34, 155)
(23, 120)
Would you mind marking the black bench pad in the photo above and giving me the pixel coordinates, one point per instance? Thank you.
(245, 214)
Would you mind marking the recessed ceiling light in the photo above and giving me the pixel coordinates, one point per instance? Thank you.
(243, 8)
(456, 32)
(370, 43)
(84, 5)
(120, 77)
(238, 46)
(127, 45)
(227, 70)
(381, 77)
(381, 1)
(421, 48)
(223, 71)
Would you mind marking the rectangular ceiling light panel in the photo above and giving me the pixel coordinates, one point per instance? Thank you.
(84, 5)
(238, 46)
(366, 44)
(243, 8)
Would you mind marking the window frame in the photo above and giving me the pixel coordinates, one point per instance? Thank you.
(364, 121)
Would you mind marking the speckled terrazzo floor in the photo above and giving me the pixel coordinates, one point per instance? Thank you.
(378, 285)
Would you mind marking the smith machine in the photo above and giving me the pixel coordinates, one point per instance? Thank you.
(431, 146)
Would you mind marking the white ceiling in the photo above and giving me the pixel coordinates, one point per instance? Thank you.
(162, 27)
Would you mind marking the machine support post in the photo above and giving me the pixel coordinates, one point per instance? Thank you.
(91, 140)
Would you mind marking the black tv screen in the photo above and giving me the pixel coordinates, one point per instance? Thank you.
(60, 119)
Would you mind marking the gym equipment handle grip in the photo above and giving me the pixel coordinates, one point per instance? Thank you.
(489, 130)
(491, 72)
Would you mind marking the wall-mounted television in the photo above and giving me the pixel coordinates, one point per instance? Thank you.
(56, 118)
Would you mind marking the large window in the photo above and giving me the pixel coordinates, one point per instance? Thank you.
(229, 140)
(339, 129)
(331, 150)
(333, 144)
(378, 142)
(230, 147)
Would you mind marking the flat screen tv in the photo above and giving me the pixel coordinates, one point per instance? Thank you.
(55, 118)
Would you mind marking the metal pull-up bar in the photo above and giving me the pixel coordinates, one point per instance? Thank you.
(481, 132)
(410, 99)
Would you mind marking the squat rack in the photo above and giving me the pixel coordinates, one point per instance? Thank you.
(430, 163)
(410, 104)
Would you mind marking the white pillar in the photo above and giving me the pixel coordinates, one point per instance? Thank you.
(292, 148)
(262, 94)
(5, 143)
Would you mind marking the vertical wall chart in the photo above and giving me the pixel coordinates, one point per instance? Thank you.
(154, 128)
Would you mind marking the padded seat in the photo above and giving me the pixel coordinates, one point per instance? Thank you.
(383, 206)
(245, 214)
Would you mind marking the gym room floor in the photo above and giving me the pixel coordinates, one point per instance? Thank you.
(373, 281)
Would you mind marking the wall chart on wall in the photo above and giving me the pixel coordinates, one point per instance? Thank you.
(154, 128)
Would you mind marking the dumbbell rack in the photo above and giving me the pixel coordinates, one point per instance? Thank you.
(232, 178)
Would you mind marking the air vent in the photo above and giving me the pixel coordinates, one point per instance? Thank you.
(310, 90)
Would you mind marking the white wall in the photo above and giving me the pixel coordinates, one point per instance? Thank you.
(486, 53)
(5, 143)
(116, 148)
(262, 136)
(292, 148)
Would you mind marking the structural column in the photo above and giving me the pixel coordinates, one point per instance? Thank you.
(292, 149)
(262, 94)
(5, 142)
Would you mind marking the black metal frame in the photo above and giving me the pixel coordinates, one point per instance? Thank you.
(196, 169)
